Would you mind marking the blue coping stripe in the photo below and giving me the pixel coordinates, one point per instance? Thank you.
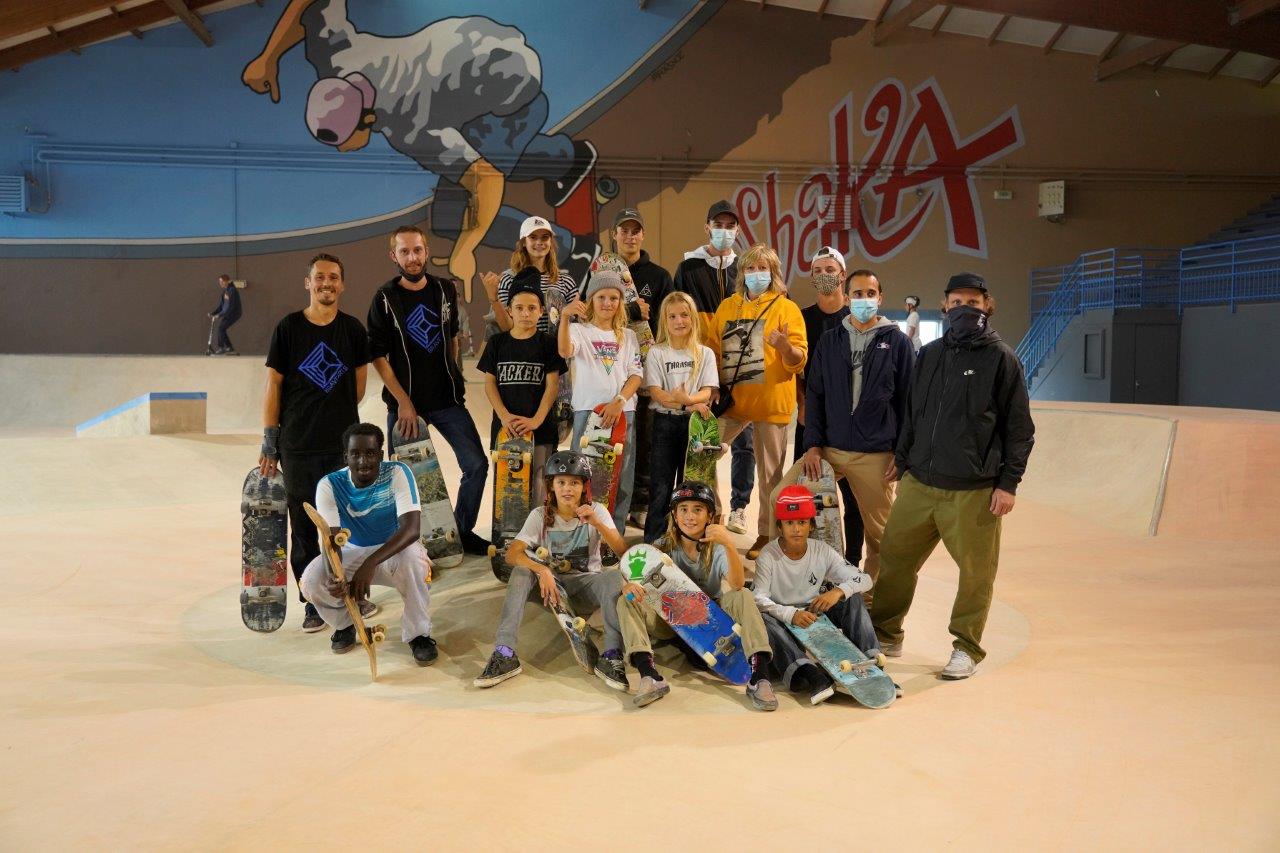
(138, 401)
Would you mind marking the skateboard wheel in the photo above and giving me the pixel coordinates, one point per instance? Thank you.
(880, 660)
(580, 624)
(493, 550)
(526, 458)
(493, 456)
(828, 500)
(617, 450)
(696, 446)
(340, 538)
(846, 666)
(450, 535)
(737, 629)
(606, 189)
(610, 457)
(709, 658)
(542, 554)
(583, 442)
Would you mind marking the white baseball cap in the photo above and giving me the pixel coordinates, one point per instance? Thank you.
(828, 252)
(534, 223)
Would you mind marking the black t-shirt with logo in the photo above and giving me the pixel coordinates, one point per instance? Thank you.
(431, 324)
(521, 368)
(318, 395)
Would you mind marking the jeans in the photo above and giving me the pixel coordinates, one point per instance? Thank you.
(586, 592)
(302, 473)
(640, 495)
(224, 340)
(742, 469)
(853, 529)
(459, 431)
(623, 505)
(849, 615)
(668, 438)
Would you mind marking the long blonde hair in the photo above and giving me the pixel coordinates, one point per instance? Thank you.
(619, 324)
(694, 346)
(520, 259)
(757, 254)
(669, 542)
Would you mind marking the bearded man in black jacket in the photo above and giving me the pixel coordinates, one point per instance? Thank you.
(961, 453)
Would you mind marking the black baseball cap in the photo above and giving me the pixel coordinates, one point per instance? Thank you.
(720, 207)
(628, 213)
(966, 280)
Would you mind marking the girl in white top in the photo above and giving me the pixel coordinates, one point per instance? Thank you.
(604, 360)
(535, 248)
(681, 375)
(913, 322)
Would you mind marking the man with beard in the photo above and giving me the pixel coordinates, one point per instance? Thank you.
(413, 341)
(315, 378)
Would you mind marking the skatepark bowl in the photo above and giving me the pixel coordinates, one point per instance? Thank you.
(1129, 699)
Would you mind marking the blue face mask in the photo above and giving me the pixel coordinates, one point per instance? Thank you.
(863, 309)
(757, 282)
(722, 238)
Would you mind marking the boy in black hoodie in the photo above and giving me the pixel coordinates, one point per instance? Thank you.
(963, 449)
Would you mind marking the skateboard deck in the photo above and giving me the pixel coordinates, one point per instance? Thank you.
(329, 545)
(512, 459)
(703, 450)
(573, 625)
(264, 531)
(691, 613)
(605, 448)
(579, 213)
(829, 524)
(853, 672)
(615, 262)
(562, 409)
(439, 529)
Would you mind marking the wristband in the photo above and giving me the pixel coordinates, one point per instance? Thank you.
(621, 399)
(270, 442)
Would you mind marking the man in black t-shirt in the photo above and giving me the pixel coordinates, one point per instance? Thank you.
(413, 340)
(524, 368)
(315, 378)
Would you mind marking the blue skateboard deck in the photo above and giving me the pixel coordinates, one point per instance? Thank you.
(853, 672)
(696, 619)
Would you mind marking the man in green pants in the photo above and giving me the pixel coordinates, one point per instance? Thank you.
(960, 456)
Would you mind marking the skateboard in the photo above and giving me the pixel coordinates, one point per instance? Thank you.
(562, 409)
(512, 458)
(853, 672)
(439, 529)
(579, 211)
(573, 625)
(263, 568)
(605, 447)
(329, 546)
(829, 524)
(703, 451)
(691, 613)
(614, 262)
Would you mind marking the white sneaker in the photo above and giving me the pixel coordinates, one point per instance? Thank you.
(638, 518)
(960, 666)
(737, 522)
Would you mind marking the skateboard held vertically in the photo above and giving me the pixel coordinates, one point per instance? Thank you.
(439, 528)
(264, 574)
(616, 263)
(853, 672)
(573, 625)
(703, 450)
(605, 447)
(828, 526)
(562, 409)
(512, 479)
(694, 616)
(330, 543)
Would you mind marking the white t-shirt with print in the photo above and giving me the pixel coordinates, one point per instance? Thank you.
(601, 367)
(668, 368)
(567, 538)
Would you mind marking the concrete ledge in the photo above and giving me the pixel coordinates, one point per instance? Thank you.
(153, 413)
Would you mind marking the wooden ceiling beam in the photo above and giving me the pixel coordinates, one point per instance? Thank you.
(1271, 75)
(17, 18)
(995, 34)
(1220, 64)
(1107, 68)
(1160, 61)
(1246, 9)
(822, 8)
(942, 19)
(196, 25)
(900, 20)
(1053, 39)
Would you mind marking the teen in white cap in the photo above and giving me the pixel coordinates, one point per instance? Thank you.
(535, 248)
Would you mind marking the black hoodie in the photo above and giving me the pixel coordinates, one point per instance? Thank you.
(968, 420)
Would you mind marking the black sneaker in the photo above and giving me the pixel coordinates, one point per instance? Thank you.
(612, 672)
(312, 622)
(424, 650)
(473, 544)
(499, 669)
(343, 639)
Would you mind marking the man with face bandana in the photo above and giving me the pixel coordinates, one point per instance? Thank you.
(962, 452)
(855, 406)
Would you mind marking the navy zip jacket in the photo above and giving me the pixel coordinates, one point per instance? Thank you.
(882, 405)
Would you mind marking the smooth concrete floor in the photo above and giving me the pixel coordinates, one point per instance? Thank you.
(1130, 700)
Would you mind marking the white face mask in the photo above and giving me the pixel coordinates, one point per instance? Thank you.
(722, 238)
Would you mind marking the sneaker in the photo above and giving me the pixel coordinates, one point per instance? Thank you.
(762, 696)
(737, 522)
(424, 650)
(343, 639)
(960, 666)
(473, 544)
(498, 669)
(755, 549)
(897, 690)
(891, 650)
(368, 608)
(312, 622)
(821, 692)
(612, 672)
(638, 518)
(650, 691)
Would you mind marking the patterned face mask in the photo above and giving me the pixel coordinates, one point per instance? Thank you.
(825, 282)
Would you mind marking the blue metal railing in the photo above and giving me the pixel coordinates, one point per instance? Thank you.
(1238, 271)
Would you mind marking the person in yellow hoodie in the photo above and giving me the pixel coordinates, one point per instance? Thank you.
(760, 341)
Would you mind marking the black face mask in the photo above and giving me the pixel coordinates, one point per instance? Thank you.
(966, 323)
(412, 278)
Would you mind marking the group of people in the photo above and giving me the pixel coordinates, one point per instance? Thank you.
(929, 443)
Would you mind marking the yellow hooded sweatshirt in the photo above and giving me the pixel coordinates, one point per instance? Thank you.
(765, 389)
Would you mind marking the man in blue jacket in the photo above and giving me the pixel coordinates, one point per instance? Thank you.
(855, 403)
(227, 312)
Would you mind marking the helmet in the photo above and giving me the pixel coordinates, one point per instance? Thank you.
(693, 490)
(793, 503)
(568, 462)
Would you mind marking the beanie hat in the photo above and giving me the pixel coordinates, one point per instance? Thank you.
(602, 280)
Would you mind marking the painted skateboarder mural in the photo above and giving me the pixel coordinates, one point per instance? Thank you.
(462, 97)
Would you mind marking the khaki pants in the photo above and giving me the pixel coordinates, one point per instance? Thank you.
(770, 442)
(865, 475)
(639, 622)
(963, 521)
